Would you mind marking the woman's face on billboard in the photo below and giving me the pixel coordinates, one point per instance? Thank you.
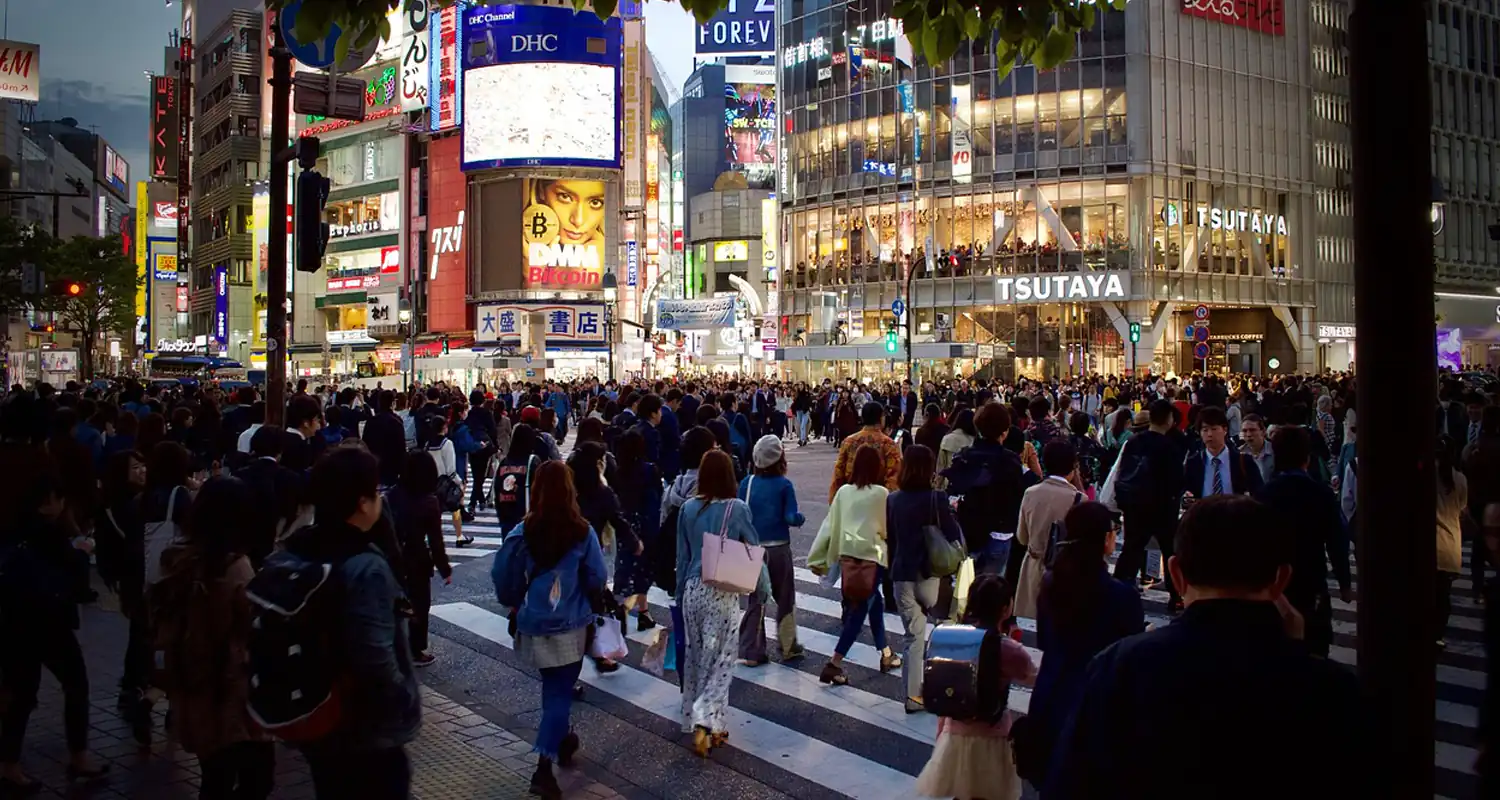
(579, 206)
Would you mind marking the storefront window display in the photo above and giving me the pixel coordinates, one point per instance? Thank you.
(379, 213)
(365, 161)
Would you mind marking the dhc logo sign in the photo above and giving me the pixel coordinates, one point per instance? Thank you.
(534, 43)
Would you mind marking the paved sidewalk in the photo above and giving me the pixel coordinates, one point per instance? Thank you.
(459, 755)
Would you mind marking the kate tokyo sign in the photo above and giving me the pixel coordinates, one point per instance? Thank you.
(1229, 219)
(1262, 16)
(1077, 287)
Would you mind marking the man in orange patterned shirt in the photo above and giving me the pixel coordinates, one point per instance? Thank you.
(872, 417)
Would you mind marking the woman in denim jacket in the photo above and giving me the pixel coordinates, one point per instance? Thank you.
(549, 566)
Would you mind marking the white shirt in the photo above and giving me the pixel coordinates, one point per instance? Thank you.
(446, 458)
(243, 444)
(1208, 472)
(1348, 490)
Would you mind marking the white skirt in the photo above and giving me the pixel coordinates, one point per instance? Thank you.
(970, 767)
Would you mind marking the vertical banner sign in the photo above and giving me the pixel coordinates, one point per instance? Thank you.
(185, 138)
(633, 79)
(261, 220)
(416, 46)
(770, 246)
(165, 128)
(963, 146)
(142, 212)
(445, 89)
(632, 263)
(653, 195)
(221, 305)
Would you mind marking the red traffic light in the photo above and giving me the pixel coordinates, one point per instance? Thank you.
(74, 288)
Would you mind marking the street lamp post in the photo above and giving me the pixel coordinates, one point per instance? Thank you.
(611, 294)
(407, 356)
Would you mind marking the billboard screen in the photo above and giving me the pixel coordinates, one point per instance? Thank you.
(524, 64)
(164, 128)
(750, 126)
(745, 28)
(113, 171)
(562, 233)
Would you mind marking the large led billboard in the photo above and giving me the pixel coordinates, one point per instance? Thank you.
(541, 88)
(113, 171)
(562, 233)
(744, 28)
(750, 123)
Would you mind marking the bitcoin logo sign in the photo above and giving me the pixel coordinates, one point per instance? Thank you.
(539, 224)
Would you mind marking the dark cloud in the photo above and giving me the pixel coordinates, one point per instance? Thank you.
(121, 119)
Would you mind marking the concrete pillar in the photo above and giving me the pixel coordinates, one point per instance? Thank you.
(534, 344)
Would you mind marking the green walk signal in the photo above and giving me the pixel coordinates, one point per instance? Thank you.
(891, 343)
(1135, 332)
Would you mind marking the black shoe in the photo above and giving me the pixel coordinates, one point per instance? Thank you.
(605, 666)
(76, 774)
(567, 750)
(463, 541)
(544, 783)
(644, 622)
(466, 516)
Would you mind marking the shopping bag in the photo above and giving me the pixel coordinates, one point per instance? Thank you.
(609, 639)
(655, 660)
(961, 589)
(669, 661)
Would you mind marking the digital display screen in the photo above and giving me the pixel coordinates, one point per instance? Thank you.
(541, 113)
(750, 130)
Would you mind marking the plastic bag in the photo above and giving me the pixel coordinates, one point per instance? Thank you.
(961, 588)
(669, 662)
(609, 639)
(660, 653)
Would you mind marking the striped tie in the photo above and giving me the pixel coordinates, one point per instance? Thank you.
(1473, 432)
(1218, 478)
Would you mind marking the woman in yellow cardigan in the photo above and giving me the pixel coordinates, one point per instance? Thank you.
(853, 542)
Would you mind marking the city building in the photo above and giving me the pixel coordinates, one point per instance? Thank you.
(1464, 45)
(107, 178)
(1176, 170)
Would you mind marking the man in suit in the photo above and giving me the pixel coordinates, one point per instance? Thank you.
(909, 403)
(304, 417)
(1219, 468)
(385, 435)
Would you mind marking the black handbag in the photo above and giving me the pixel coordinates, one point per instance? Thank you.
(450, 493)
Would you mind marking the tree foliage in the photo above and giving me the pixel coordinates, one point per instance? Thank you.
(20, 244)
(107, 303)
(1037, 31)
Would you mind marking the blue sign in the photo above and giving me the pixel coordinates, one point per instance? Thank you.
(632, 262)
(1188, 333)
(745, 28)
(695, 315)
(1200, 351)
(531, 373)
(315, 54)
(445, 82)
(566, 325)
(221, 304)
(528, 358)
(898, 307)
(885, 168)
(1200, 334)
(517, 34)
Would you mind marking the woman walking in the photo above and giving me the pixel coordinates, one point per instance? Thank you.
(440, 447)
(419, 527)
(709, 614)
(908, 512)
(853, 541)
(773, 505)
(549, 567)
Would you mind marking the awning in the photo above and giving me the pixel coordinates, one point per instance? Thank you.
(876, 352)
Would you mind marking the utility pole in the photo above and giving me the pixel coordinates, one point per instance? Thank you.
(276, 237)
(1393, 311)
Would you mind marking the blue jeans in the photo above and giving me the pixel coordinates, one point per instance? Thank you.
(854, 619)
(803, 420)
(557, 704)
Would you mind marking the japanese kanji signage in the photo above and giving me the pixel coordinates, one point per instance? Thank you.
(566, 324)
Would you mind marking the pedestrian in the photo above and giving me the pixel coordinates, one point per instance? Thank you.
(1080, 611)
(772, 498)
(1146, 484)
(872, 417)
(910, 511)
(418, 521)
(709, 613)
(1284, 706)
(450, 468)
(200, 620)
(852, 541)
(1043, 508)
(960, 438)
(550, 567)
(1452, 507)
(639, 488)
(972, 758)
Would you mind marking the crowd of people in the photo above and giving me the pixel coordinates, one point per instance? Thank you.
(982, 502)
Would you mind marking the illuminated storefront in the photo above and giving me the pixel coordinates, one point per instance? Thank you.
(969, 186)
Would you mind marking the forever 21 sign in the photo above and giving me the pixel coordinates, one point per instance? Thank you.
(1264, 16)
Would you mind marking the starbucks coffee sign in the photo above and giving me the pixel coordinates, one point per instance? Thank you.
(1066, 287)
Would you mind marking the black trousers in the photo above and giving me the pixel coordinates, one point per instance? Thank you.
(1140, 526)
(479, 464)
(136, 675)
(419, 592)
(367, 775)
(25, 655)
(241, 771)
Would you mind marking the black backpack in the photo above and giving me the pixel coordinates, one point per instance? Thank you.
(1135, 483)
(1055, 535)
(972, 479)
(958, 675)
(296, 671)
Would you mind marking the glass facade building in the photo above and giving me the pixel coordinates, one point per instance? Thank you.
(1176, 160)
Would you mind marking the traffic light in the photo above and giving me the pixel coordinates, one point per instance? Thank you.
(1135, 332)
(892, 343)
(65, 288)
(312, 231)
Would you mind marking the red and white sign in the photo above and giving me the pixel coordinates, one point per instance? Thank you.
(353, 284)
(182, 298)
(164, 214)
(1262, 16)
(390, 260)
(445, 111)
(447, 238)
(1201, 312)
(20, 71)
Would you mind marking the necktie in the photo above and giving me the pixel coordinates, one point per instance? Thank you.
(1473, 432)
(1218, 478)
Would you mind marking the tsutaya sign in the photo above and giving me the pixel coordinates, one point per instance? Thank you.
(1229, 219)
(1075, 287)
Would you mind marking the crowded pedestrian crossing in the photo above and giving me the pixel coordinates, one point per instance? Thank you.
(859, 741)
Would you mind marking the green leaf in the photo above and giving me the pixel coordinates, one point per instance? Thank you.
(605, 8)
(1088, 17)
(949, 35)
(930, 43)
(1057, 48)
(1119, 5)
(341, 48)
(973, 24)
(579, 5)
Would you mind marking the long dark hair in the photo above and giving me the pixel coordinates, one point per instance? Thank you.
(522, 443)
(1072, 591)
(221, 524)
(585, 465)
(554, 525)
(1123, 417)
(630, 459)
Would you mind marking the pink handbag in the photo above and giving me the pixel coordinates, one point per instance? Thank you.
(730, 566)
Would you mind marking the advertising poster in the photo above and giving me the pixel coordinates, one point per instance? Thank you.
(260, 217)
(113, 170)
(445, 89)
(541, 87)
(141, 202)
(750, 128)
(20, 71)
(164, 128)
(695, 315)
(416, 50)
(447, 239)
(633, 103)
(1450, 349)
(562, 233)
(221, 305)
(963, 145)
(569, 324)
(745, 28)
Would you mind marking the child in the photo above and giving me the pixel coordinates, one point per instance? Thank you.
(973, 759)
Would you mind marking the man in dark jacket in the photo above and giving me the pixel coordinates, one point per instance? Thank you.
(486, 431)
(1233, 661)
(1146, 485)
(1236, 472)
(671, 435)
(687, 410)
(276, 488)
(1309, 510)
(991, 480)
(385, 435)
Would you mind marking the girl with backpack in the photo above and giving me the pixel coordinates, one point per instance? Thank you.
(450, 485)
(972, 758)
(418, 522)
(547, 571)
(201, 628)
